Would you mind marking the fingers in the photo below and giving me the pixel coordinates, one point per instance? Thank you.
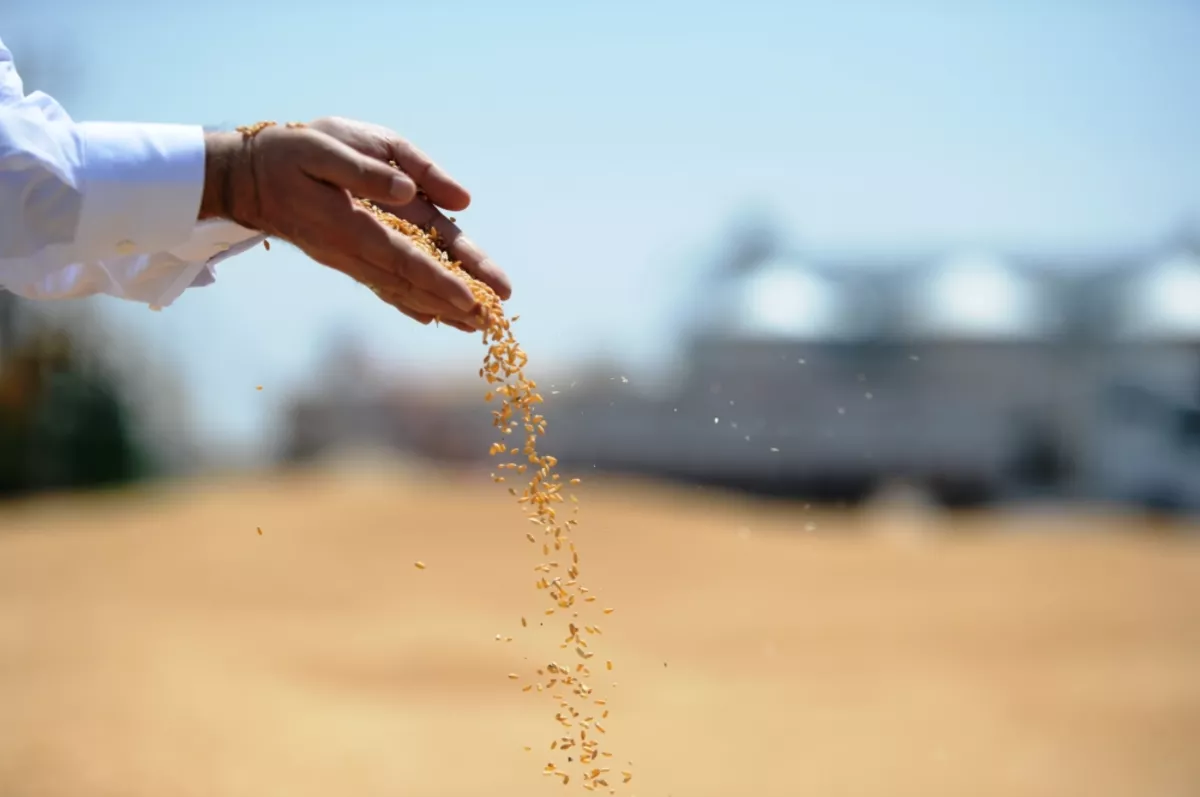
(337, 164)
(383, 144)
(420, 318)
(473, 259)
(392, 251)
(348, 228)
(342, 235)
(419, 305)
(442, 189)
(425, 302)
(403, 302)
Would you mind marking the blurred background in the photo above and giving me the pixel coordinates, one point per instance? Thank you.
(872, 327)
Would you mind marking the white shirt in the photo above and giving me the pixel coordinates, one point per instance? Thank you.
(102, 208)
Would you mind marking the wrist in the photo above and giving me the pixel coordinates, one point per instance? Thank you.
(220, 151)
(229, 182)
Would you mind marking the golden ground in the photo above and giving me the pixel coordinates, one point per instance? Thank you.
(157, 645)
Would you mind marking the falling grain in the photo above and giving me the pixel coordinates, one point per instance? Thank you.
(517, 403)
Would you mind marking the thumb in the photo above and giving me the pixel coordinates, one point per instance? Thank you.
(361, 175)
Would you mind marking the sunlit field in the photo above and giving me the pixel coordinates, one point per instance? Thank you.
(155, 644)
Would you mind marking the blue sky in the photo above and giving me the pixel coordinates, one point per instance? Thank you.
(607, 145)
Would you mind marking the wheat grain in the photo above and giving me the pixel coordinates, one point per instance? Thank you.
(503, 371)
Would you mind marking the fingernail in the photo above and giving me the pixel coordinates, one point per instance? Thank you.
(402, 188)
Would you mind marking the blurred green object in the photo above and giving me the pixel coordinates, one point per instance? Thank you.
(63, 422)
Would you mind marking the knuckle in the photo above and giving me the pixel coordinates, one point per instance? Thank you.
(308, 134)
(422, 163)
(402, 148)
(362, 172)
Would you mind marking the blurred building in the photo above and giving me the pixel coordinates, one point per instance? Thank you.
(1145, 439)
(977, 375)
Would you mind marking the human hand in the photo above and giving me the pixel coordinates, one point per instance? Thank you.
(437, 189)
(298, 184)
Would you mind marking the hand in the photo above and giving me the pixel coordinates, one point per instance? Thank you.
(298, 183)
(438, 188)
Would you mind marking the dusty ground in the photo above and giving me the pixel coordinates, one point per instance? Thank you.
(159, 646)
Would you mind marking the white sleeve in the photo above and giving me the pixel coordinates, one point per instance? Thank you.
(100, 207)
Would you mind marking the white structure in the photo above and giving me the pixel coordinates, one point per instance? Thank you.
(977, 296)
(1146, 440)
(1162, 304)
(976, 375)
(781, 299)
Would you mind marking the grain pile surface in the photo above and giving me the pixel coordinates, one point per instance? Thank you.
(149, 647)
(582, 710)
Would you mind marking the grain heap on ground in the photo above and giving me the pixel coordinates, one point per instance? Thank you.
(582, 710)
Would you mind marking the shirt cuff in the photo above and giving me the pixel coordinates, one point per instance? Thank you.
(211, 242)
(141, 184)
